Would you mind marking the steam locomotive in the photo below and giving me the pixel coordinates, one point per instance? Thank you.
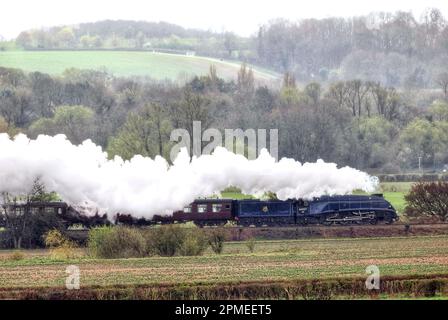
(325, 210)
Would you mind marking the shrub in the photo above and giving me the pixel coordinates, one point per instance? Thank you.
(173, 240)
(216, 241)
(116, 242)
(194, 244)
(165, 240)
(250, 244)
(55, 239)
(61, 247)
(428, 199)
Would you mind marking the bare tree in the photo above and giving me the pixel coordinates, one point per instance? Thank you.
(442, 81)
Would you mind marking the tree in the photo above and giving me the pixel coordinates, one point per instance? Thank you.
(230, 42)
(12, 77)
(356, 93)
(65, 37)
(145, 133)
(313, 92)
(46, 92)
(442, 81)
(23, 224)
(193, 107)
(387, 101)
(245, 82)
(425, 139)
(338, 93)
(289, 93)
(76, 122)
(373, 139)
(428, 199)
(439, 110)
(87, 41)
(24, 40)
(15, 106)
(7, 128)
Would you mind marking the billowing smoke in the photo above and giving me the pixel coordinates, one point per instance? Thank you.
(145, 186)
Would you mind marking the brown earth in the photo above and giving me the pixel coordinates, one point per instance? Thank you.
(412, 287)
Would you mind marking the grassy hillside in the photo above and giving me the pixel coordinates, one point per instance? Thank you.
(123, 63)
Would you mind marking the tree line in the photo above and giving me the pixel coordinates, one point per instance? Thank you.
(395, 49)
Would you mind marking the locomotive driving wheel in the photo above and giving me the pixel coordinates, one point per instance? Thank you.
(325, 221)
(373, 220)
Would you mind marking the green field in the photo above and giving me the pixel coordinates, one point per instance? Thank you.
(283, 261)
(124, 63)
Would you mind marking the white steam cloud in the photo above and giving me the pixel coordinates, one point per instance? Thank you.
(144, 186)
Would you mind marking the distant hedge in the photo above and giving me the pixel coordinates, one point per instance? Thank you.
(427, 177)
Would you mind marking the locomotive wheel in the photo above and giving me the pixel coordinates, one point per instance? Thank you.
(325, 222)
(388, 219)
(373, 221)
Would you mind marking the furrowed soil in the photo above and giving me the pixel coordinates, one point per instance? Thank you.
(409, 267)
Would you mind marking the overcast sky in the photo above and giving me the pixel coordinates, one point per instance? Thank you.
(241, 16)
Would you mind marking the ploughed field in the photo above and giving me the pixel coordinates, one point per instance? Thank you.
(285, 269)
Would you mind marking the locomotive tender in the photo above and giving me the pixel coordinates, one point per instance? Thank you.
(326, 210)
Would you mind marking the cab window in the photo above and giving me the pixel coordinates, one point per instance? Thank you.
(187, 209)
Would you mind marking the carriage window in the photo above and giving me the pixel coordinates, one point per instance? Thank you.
(59, 210)
(34, 210)
(20, 211)
(49, 210)
(216, 207)
(187, 209)
(202, 208)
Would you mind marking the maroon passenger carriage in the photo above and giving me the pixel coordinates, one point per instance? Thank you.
(206, 212)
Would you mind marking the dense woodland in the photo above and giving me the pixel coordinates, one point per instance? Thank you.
(396, 49)
(357, 123)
